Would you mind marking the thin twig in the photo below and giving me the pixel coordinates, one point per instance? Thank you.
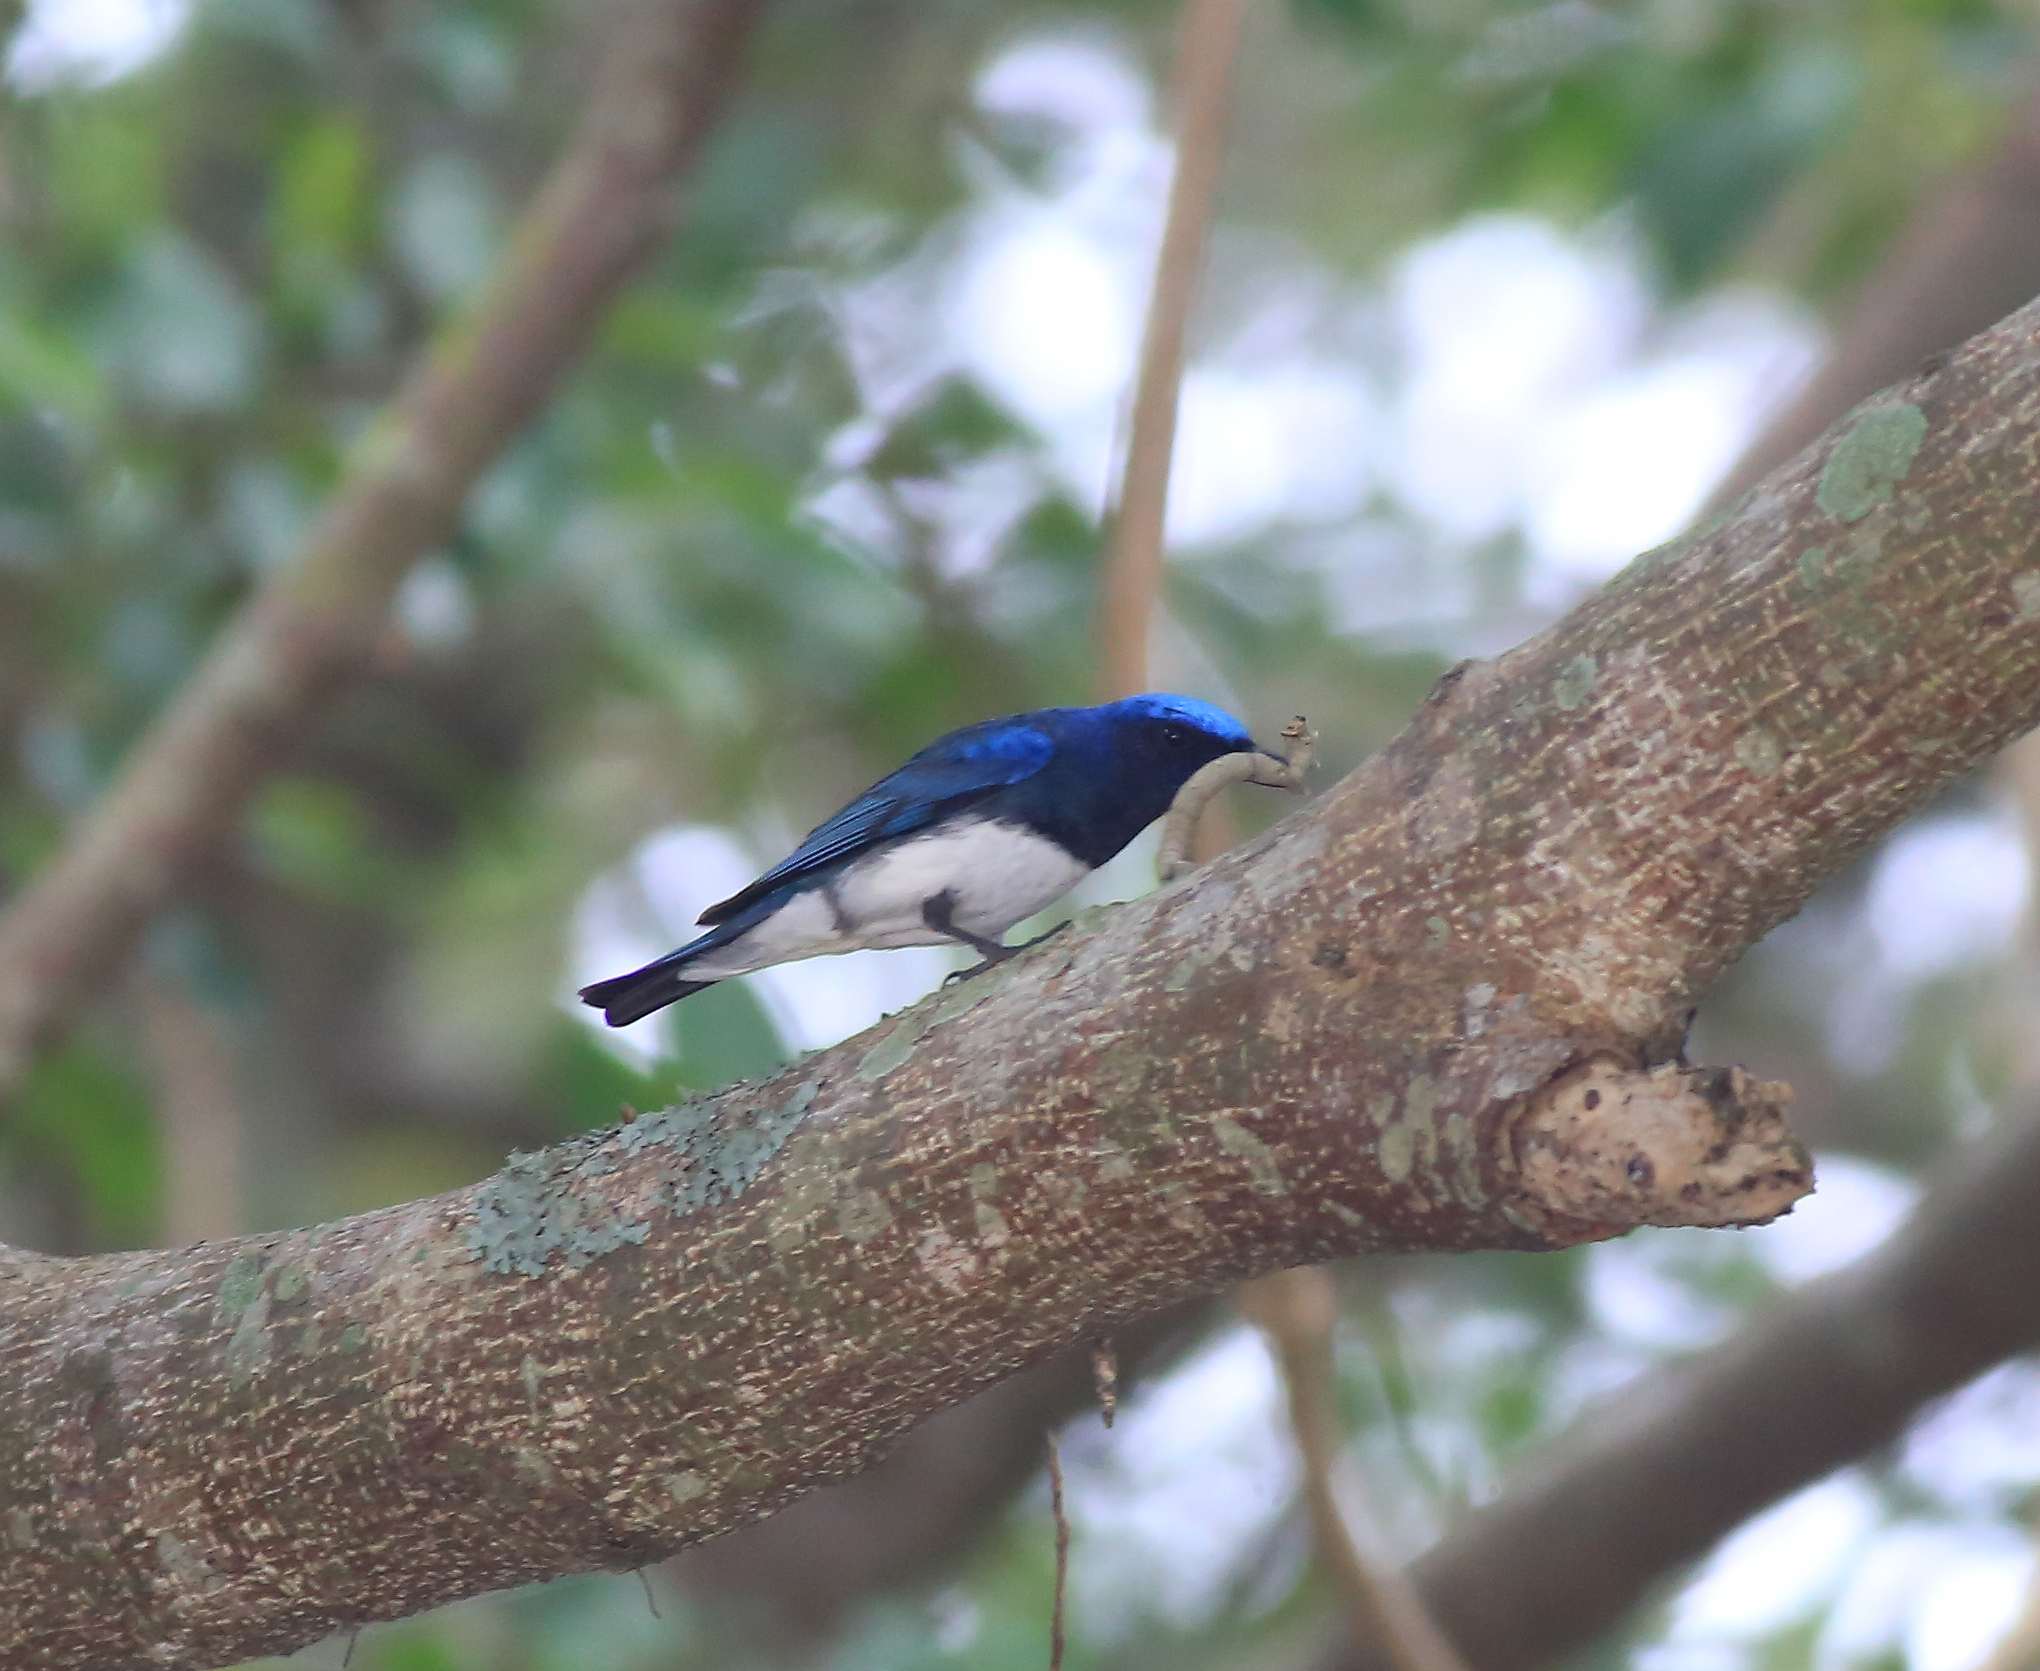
(604, 211)
(1207, 48)
(1056, 1624)
(1296, 1311)
(651, 1605)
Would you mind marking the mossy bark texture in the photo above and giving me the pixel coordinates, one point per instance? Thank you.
(1439, 1007)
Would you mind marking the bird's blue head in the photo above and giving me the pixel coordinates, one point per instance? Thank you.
(1162, 739)
(1119, 765)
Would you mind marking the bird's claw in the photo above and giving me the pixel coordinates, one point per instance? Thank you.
(956, 977)
(1045, 935)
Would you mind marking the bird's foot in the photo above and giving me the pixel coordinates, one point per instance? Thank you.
(956, 977)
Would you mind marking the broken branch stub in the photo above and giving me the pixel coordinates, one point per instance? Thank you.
(1605, 1147)
(1600, 1147)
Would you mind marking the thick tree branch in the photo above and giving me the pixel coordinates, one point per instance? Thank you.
(1422, 1013)
(1827, 1376)
(607, 207)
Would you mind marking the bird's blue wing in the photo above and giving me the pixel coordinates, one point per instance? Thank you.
(945, 777)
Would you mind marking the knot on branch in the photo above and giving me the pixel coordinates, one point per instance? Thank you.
(1615, 1147)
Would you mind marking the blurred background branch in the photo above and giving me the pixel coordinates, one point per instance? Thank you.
(1968, 254)
(1297, 1310)
(1828, 1375)
(315, 621)
(1207, 49)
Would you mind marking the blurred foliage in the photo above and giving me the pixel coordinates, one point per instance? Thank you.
(780, 531)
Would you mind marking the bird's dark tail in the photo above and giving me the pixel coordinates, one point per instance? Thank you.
(627, 998)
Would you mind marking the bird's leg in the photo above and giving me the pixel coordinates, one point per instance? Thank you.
(939, 913)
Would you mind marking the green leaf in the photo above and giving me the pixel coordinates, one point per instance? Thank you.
(723, 1034)
(320, 207)
(95, 1117)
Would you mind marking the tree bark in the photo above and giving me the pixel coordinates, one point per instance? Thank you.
(1433, 1010)
(604, 210)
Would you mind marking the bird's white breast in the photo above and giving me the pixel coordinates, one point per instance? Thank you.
(996, 873)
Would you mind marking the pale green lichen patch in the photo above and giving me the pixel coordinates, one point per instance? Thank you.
(249, 1346)
(1759, 752)
(540, 1206)
(353, 1339)
(532, 1465)
(729, 1167)
(1437, 930)
(1838, 579)
(1115, 1165)
(805, 1194)
(240, 1287)
(20, 1529)
(184, 1565)
(1870, 460)
(861, 1214)
(1186, 969)
(1401, 1137)
(1244, 1145)
(685, 1486)
(1660, 557)
(527, 1213)
(992, 1229)
(1465, 1153)
(918, 1022)
(2026, 596)
(1575, 682)
(290, 1284)
(242, 1301)
(967, 995)
(893, 1050)
(1420, 1101)
(1397, 1152)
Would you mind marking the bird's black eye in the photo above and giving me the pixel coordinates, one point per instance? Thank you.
(1175, 734)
